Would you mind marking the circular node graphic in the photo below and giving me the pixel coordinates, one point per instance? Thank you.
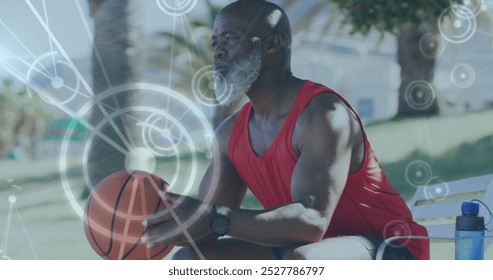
(462, 27)
(170, 136)
(55, 81)
(475, 6)
(436, 189)
(203, 87)
(463, 75)
(431, 45)
(162, 133)
(418, 173)
(397, 228)
(419, 95)
(12, 199)
(176, 7)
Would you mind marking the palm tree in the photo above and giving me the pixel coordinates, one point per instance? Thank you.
(115, 62)
(416, 65)
(415, 25)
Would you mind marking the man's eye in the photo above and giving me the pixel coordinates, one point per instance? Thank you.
(230, 38)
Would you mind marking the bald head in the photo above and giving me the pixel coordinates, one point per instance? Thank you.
(251, 40)
(260, 18)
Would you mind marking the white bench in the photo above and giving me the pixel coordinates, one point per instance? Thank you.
(436, 206)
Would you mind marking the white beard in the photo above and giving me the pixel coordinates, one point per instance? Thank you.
(242, 74)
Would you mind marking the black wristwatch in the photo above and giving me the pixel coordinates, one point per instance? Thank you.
(220, 222)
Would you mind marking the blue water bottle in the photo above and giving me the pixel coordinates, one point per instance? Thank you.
(469, 233)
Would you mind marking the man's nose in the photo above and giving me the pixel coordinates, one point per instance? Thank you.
(219, 51)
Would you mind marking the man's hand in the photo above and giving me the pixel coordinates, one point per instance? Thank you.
(185, 220)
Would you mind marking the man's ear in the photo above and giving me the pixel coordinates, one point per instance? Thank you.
(274, 43)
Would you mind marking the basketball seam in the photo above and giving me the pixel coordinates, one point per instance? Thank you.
(89, 226)
(138, 242)
(160, 252)
(115, 209)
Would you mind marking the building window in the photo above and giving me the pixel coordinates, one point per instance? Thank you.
(366, 108)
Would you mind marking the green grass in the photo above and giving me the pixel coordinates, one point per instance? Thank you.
(43, 224)
(453, 147)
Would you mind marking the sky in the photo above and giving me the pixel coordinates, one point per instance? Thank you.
(67, 20)
(24, 39)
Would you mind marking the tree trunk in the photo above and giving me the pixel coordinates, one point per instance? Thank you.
(115, 63)
(416, 57)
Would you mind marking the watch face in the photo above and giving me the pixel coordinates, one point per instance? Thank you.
(220, 225)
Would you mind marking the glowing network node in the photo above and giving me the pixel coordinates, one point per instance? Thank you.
(463, 75)
(418, 173)
(419, 95)
(463, 26)
(203, 87)
(176, 7)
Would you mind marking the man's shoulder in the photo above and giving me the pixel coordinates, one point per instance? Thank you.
(323, 99)
(326, 108)
(326, 115)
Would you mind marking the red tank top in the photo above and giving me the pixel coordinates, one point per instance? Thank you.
(369, 205)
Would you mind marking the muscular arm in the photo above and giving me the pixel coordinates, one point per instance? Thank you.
(323, 138)
(221, 183)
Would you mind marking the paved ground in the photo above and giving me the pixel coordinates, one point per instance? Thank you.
(36, 219)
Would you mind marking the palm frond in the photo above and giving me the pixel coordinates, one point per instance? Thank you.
(213, 11)
(188, 44)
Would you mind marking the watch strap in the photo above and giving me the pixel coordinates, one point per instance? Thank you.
(221, 210)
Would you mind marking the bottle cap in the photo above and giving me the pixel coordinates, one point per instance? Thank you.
(470, 208)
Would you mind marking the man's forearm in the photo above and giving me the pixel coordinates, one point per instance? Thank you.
(290, 224)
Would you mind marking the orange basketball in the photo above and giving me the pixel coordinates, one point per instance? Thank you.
(115, 210)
